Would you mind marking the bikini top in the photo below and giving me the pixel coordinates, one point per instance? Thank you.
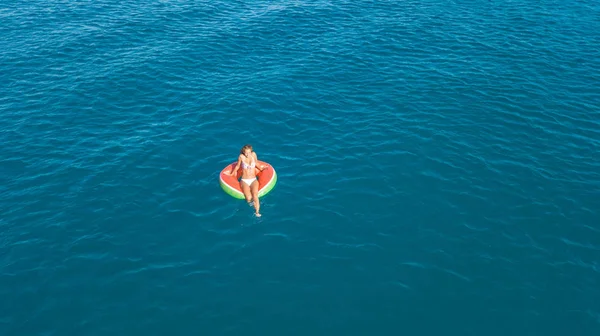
(246, 166)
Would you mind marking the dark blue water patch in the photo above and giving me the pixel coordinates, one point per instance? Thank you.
(437, 167)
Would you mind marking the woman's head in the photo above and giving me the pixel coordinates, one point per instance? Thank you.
(246, 150)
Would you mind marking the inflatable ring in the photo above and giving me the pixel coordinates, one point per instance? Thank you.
(231, 183)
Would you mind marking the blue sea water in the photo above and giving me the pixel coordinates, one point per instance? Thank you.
(438, 163)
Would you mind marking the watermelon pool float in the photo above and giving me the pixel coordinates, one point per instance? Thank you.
(231, 184)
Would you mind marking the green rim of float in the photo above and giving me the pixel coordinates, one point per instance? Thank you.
(270, 185)
(230, 191)
(235, 193)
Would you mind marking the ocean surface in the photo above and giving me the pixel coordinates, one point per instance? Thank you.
(438, 164)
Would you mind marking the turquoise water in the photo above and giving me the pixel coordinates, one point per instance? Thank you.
(438, 163)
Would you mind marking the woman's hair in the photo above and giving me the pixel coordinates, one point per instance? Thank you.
(246, 147)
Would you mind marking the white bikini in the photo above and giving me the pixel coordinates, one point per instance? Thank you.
(246, 166)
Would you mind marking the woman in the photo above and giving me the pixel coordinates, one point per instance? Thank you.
(247, 160)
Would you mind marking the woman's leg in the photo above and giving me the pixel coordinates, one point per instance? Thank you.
(254, 188)
(246, 190)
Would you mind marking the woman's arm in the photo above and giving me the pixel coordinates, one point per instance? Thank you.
(263, 167)
(237, 166)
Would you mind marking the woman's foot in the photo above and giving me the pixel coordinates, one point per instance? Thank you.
(257, 214)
